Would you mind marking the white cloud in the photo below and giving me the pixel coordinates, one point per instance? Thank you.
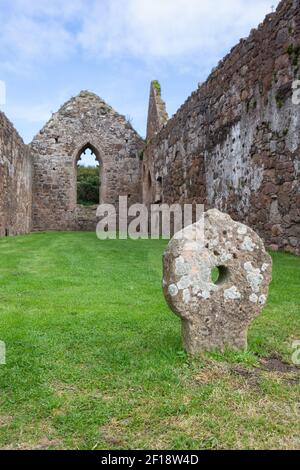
(37, 113)
(33, 32)
(63, 9)
(167, 29)
(183, 30)
(162, 36)
(33, 41)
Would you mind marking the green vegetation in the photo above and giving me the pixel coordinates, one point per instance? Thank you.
(86, 94)
(88, 181)
(285, 132)
(95, 359)
(157, 86)
(294, 53)
(251, 104)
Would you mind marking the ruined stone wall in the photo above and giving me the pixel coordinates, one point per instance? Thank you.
(235, 143)
(84, 121)
(15, 181)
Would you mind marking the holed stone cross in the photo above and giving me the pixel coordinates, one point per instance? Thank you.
(216, 313)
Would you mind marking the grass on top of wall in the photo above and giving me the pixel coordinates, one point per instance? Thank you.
(95, 360)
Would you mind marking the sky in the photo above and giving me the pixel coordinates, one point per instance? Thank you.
(50, 50)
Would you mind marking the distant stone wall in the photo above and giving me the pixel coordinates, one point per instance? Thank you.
(15, 181)
(235, 143)
(84, 121)
(86, 218)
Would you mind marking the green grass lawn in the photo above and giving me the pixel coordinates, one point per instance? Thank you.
(95, 360)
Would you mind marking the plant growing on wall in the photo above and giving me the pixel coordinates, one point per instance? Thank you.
(157, 86)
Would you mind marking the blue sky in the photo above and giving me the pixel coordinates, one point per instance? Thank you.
(52, 49)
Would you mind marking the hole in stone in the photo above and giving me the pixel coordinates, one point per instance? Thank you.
(7, 232)
(219, 275)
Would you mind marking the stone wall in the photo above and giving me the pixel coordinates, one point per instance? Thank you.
(15, 181)
(84, 121)
(235, 143)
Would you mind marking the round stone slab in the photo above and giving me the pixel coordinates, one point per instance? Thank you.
(216, 313)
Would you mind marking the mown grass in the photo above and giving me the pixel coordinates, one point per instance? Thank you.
(95, 361)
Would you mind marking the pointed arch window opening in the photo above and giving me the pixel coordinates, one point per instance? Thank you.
(88, 176)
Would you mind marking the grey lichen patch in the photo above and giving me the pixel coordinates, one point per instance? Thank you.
(225, 257)
(184, 283)
(186, 296)
(173, 290)
(248, 244)
(262, 299)
(264, 267)
(253, 298)
(232, 294)
(242, 230)
(254, 277)
(181, 267)
(205, 294)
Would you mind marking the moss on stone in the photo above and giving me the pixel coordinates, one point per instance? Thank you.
(294, 54)
(86, 94)
(156, 85)
(279, 102)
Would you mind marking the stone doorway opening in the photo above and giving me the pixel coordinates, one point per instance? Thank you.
(88, 176)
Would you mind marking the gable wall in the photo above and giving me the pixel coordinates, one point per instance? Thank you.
(83, 120)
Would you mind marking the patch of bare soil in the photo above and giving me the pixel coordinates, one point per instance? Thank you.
(251, 376)
(5, 420)
(276, 364)
(43, 444)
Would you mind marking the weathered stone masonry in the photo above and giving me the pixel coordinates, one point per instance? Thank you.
(235, 143)
(15, 181)
(84, 121)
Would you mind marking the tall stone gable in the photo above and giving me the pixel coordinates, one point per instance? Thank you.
(84, 121)
(157, 118)
(157, 113)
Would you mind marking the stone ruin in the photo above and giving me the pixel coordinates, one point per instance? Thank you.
(233, 145)
(216, 315)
